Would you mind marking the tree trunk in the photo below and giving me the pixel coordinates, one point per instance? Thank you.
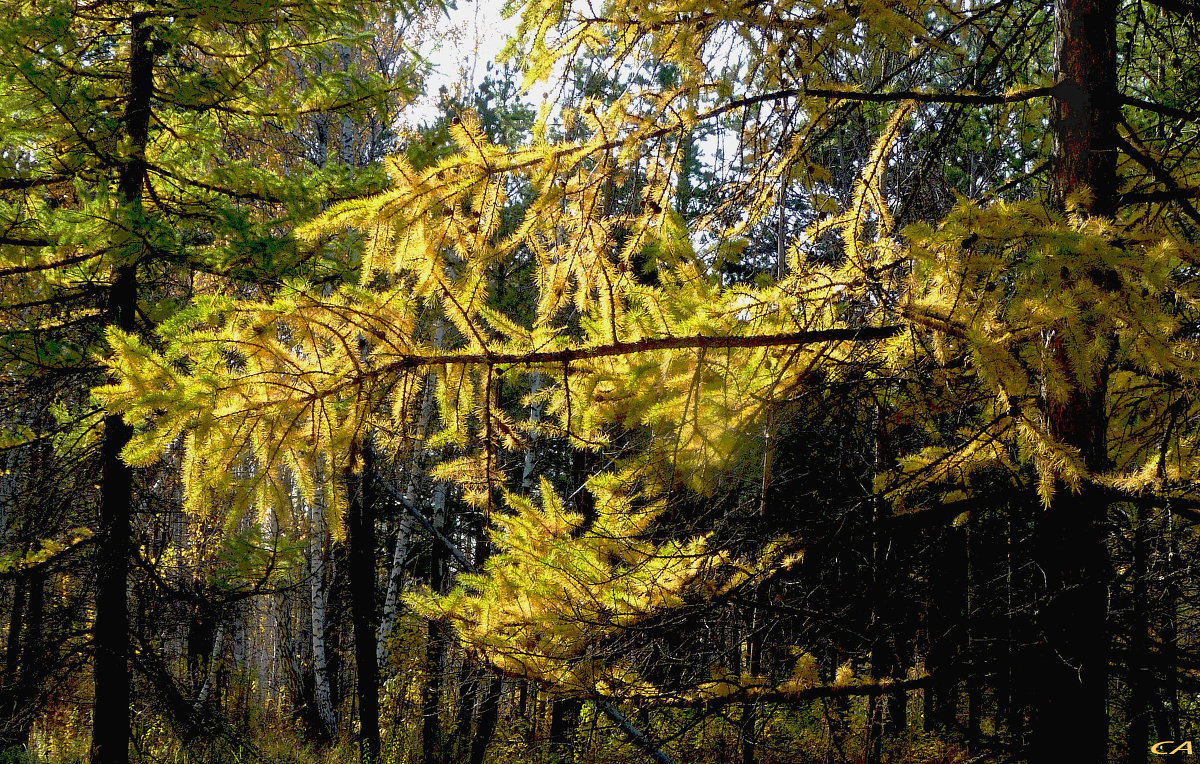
(16, 621)
(1072, 723)
(468, 683)
(1141, 681)
(564, 719)
(33, 654)
(407, 523)
(946, 613)
(110, 632)
(435, 647)
(485, 728)
(1167, 719)
(748, 724)
(361, 539)
(318, 597)
(431, 695)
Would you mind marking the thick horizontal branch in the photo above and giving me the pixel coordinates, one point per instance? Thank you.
(16, 269)
(1159, 197)
(569, 355)
(926, 96)
(1188, 508)
(16, 184)
(1166, 111)
(757, 695)
(11, 241)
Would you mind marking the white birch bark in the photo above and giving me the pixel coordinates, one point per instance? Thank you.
(317, 549)
(407, 523)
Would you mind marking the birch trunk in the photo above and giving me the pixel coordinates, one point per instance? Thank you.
(318, 597)
(407, 523)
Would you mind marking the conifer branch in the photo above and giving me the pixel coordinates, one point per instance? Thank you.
(636, 736)
(569, 355)
(1160, 174)
(806, 695)
(928, 96)
(1190, 115)
(17, 269)
(13, 242)
(14, 184)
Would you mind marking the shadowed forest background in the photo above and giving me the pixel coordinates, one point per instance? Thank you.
(753, 381)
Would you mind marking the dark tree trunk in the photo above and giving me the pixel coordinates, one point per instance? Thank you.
(431, 696)
(749, 722)
(16, 621)
(361, 553)
(110, 632)
(435, 648)
(1072, 722)
(489, 713)
(468, 682)
(947, 613)
(1141, 681)
(32, 667)
(1167, 719)
(21, 667)
(564, 719)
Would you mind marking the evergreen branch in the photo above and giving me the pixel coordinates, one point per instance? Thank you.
(1166, 111)
(1187, 508)
(747, 694)
(1159, 172)
(928, 96)
(16, 269)
(15, 184)
(569, 355)
(13, 242)
(10, 571)
(1159, 197)
(636, 736)
(250, 195)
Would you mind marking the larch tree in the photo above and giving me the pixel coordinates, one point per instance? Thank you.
(1032, 321)
(124, 194)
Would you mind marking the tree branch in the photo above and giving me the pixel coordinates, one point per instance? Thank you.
(1157, 108)
(1160, 174)
(926, 96)
(569, 355)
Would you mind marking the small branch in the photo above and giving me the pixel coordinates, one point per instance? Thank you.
(450, 546)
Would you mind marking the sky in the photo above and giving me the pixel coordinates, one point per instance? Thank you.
(466, 39)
